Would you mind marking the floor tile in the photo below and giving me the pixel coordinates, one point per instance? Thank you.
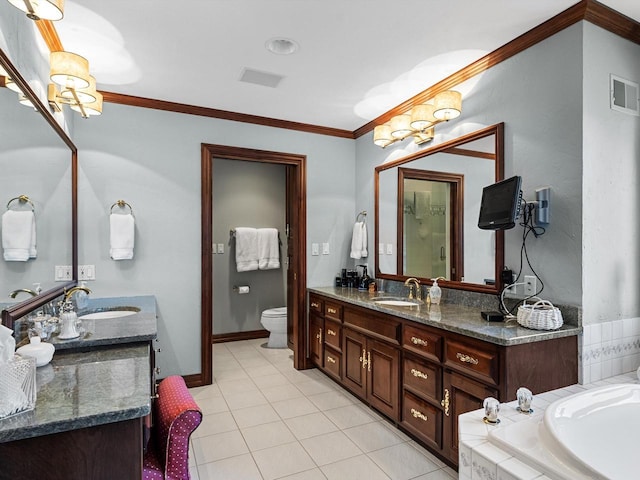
(350, 416)
(251, 398)
(271, 380)
(267, 435)
(215, 423)
(241, 467)
(313, 387)
(402, 462)
(315, 474)
(294, 407)
(372, 436)
(216, 447)
(276, 462)
(330, 448)
(355, 468)
(229, 387)
(281, 392)
(306, 426)
(213, 405)
(248, 417)
(331, 400)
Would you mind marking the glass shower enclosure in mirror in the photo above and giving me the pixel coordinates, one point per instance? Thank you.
(426, 206)
(38, 160)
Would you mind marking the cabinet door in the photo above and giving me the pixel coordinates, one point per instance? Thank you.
(354, 364)
(461, 395)
(315, 339)
(383, 385)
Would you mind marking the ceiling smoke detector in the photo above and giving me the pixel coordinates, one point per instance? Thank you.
(281, 46)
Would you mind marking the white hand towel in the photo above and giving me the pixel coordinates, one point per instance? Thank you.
(246, 249)
(122, 236)
(359, 240)
(268, 249)
(18, 235)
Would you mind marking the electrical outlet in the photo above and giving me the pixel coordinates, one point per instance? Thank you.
(511, 290)
(63, 273)
(86, 272)
(530, 285)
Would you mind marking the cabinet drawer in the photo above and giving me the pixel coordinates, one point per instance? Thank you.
(333, 311)
(478, 360)
(422, 419)
(316, 305)
(383, 327)
(419, 340)
(332, 362)
(422, 378)
(332, 334)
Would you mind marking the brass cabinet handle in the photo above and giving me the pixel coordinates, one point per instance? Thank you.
(315, 305)
(419, 341)
(418, 414)
(331, 332)
(419, 374)
(330, 359)
(466, 358)
(369, 361)
(445, 402)
(363, 358)
(331, 310)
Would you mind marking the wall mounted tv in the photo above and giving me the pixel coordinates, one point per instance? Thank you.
(500, 204)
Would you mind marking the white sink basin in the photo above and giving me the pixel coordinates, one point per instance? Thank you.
(107, 314)
(397, 303)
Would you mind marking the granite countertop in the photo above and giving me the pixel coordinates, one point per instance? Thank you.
(451, 317)
(85, 389)
(141, 326)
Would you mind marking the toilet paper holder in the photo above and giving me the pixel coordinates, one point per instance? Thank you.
(241, 289)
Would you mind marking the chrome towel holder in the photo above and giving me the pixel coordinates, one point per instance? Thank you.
(21, 199)
(121, 204)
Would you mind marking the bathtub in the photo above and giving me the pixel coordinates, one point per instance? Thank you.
(590, 435)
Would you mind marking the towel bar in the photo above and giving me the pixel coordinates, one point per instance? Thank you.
(21, 199)
(121, 204)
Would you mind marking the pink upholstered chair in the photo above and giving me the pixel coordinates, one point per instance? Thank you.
(176, 417)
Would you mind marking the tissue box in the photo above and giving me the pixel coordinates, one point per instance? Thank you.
(17, 385)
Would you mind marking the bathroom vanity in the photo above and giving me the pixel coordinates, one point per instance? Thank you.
(93, 402)
(422, 366)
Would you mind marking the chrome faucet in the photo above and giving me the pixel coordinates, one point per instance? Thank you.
(410, 282)
(15, 293)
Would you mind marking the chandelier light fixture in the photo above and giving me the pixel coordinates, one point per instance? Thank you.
(41, 9)
(420, 121)
(72, 85)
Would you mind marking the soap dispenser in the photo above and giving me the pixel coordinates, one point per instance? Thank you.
(435, 293)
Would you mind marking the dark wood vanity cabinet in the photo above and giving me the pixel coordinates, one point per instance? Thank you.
(423, 377)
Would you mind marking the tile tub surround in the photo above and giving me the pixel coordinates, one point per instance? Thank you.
(481, 460)
(85, 389)
(457, 318)
(609, 349)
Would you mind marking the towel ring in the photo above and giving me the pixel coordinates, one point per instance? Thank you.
(121, 204)
(22, 199)
(362, 214)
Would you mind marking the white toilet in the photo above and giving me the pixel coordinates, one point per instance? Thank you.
(275, 320)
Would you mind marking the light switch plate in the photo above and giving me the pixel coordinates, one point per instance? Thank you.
(221, 248)
(63, 273)
(315, 249)
(381, 249)
(86, 272)
(325, 249)
(389, 248)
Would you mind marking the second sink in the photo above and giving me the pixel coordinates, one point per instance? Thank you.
(116, 312)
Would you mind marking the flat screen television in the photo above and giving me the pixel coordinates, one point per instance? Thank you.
(500, 204)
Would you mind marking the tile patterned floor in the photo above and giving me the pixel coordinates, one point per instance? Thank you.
(264, 420)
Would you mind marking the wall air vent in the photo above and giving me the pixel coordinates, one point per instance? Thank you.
(624, 95)
(260, 78)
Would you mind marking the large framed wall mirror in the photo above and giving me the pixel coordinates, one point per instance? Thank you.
(38, 161)
(426, 213)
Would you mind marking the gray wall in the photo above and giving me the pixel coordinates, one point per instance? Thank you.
(611, 197)
(538, 95)
(151, 159)
(246, 194)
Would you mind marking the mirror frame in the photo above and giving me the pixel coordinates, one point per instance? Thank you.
(18, 310)
(498, 131)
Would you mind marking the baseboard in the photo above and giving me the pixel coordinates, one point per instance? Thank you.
(235, 336)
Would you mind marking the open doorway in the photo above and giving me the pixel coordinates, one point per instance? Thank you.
(295, 171)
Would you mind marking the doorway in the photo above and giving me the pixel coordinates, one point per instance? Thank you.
(295, 171)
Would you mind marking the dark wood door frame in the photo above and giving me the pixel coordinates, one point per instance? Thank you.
(297, 165)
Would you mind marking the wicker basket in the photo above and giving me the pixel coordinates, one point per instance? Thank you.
(17, 385)
(542, 315)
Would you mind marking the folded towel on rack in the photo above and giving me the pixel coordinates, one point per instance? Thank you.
(359, 240)
(122, 236)
(246, 249)
(19, 235)
(268, 249)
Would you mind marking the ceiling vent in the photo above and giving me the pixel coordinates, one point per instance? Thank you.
(624, 95)
(260, 78)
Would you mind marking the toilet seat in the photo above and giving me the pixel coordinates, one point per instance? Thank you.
(275, 312)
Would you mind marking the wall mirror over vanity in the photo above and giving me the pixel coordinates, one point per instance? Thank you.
(38, 160)
(426, 209)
